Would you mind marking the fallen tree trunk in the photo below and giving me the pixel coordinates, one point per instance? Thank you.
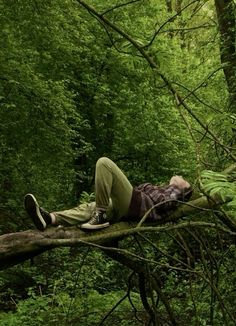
(20, 246)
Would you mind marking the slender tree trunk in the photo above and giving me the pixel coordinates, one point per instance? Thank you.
(225, 10)
(169, 5)
(178, 5)
(181, 23)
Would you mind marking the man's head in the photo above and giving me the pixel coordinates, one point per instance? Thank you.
(179, 182)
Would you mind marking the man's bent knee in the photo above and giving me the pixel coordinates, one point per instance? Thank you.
(103, 161)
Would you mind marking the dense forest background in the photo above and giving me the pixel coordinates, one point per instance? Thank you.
(150, 84)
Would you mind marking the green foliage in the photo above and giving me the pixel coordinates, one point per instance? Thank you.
(58, 309)
(86, 197)
(72, 91)
(66, 291)
(215, 183)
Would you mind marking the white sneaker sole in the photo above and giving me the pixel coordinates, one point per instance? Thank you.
(32, 208)
(88, 226)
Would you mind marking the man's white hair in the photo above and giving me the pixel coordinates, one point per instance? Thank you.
(179, 181)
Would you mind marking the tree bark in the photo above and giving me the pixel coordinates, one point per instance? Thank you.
(225, 10)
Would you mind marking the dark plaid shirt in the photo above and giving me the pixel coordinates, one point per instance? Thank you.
(147, 195)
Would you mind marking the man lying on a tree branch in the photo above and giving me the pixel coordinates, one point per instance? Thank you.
(115, 199)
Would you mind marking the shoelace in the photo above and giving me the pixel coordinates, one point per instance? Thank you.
(94, 217)
(43, 211)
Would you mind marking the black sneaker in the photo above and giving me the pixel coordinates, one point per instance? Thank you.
(97, 221)
(40, 217)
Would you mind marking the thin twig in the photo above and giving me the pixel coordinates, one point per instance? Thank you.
(208, 280)
(161, 251)
(168, 21)
(186, 29)
(112, 309)
(129, 297)
(78, 273)
(203, 83)
(119, 6)
(197, 8)
(168, 201)
(199, 99)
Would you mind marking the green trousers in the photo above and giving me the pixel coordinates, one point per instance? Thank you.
(113, 193)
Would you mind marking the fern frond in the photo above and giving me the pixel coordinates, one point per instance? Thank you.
(219, 183)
